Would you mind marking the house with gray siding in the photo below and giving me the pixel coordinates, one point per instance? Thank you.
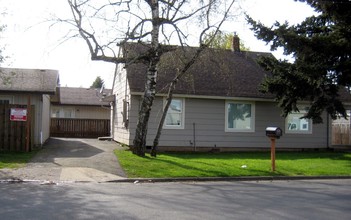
(80, 113)
(216, 105)
(82, 103)
(25, 87)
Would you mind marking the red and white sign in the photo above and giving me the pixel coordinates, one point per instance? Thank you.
(18, 114)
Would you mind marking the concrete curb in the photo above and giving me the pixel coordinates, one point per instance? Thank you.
(215, 179)
(184, 179)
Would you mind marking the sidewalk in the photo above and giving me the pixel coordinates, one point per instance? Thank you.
(70, 159)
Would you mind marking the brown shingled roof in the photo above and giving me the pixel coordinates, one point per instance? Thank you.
(217, 72)
(80, 96)
(28, 80)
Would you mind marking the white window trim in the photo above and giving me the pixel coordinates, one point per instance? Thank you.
(181, 126)
(62, 110)
(7, 97)
(253, 113)
(310, 125)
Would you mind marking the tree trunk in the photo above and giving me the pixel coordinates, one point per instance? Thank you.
(139, 143)
(164, 114)
(170, 95)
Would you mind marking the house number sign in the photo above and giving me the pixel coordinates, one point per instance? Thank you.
(18, 114)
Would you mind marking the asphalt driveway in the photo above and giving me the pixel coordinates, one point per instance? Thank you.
(72, 159)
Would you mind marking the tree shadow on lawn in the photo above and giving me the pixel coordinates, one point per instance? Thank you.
(314, 155)
(216, 173)
(200, 158)
(263, 155)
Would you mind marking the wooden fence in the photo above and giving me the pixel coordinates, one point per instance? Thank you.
(79, 128)
(13, 133)
(341, 134)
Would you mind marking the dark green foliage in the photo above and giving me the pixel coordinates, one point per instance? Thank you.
(97, 83)
(321, 47)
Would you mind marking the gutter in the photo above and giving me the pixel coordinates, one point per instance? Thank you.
(216, 179)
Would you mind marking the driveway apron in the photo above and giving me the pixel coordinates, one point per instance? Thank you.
(73, 159)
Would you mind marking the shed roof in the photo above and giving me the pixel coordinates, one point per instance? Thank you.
(80, 96)
(216, 72)
(28, 80)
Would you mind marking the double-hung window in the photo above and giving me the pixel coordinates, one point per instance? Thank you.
(239, 116)
(57, 112)
(294, 123)
(175, 114)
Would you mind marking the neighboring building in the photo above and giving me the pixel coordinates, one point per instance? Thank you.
(23, 86)
(216, 105)
(79, 112)
(80, 103)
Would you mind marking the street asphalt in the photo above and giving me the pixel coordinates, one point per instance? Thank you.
(299, 199)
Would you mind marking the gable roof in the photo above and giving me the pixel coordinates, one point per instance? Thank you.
(216, 72)
(79, 96)
(28, 80)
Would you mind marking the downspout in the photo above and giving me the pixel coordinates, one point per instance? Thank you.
(194, 140)
(126, 100)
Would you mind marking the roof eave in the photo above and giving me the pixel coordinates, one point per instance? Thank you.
(211, 97)
(28, 91)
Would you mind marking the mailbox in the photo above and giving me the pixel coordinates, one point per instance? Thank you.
(274, 132)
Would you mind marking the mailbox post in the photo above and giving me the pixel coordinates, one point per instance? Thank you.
(273, 133)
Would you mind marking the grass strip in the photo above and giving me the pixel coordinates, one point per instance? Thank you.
(235, 164)
(15, 160)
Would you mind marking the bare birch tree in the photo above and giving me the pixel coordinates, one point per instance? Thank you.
(2, 58)
(153, 23)
(2, 29)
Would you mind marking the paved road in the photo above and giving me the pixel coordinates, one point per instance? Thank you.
(299, 199)
(71, 159)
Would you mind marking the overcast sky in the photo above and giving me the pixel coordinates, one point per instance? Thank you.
(30, 42)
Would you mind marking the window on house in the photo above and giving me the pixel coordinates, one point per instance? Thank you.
(240, 116)
(5, 100)
(55, 113)
(68, 113)
(175, 114)
(62, 113)
(294, 123)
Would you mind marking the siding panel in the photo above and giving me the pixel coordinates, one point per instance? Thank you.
(209, 119)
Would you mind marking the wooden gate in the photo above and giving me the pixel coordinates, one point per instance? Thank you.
(79, 128)
(13, 133)
(341, 134)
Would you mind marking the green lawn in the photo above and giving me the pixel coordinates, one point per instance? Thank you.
(232, 164)
(15, 160)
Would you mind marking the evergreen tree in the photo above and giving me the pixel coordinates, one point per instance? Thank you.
(97, 83)
(321, 47)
